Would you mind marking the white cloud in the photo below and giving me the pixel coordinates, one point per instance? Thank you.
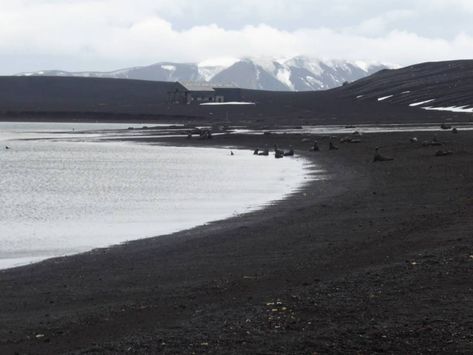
(378, 25)
(109, 34)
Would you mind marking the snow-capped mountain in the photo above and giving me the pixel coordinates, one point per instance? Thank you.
(295, 74)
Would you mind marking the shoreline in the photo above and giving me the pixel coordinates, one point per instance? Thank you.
(369, 260)
(298, 181)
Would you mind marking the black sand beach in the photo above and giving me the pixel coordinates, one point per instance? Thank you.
(376, 258)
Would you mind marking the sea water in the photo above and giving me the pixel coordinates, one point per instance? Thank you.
(63, 196)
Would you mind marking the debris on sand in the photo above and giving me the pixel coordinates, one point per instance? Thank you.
(443, 153)
(433, 143)
(349, 140)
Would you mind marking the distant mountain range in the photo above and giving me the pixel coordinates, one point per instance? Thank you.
(296, 74)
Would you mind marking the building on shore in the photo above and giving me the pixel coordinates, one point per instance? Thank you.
(186, 93)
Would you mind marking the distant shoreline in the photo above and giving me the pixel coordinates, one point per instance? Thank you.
(102, 117)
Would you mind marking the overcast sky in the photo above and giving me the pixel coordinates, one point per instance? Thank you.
(111, 34)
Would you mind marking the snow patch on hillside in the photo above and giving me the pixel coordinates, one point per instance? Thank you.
(227, 103)
(284, 76)
(208, 73)
(169, 67)
(385, 98)
(415, 104)
(459, 109)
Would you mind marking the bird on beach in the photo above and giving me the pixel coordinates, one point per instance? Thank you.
(7, 147)
(231, 153)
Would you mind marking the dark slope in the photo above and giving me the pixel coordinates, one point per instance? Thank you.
(449, 83)
(80, 94)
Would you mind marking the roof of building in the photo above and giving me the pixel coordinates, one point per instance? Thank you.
(193, 86)
(225, 86)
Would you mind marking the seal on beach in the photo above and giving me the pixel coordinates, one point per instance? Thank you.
(289, 153)
(206, 134)
(332, 146)
(433, 143)
(264, 152)
(278, 153)
(7, 147)
(379, 157)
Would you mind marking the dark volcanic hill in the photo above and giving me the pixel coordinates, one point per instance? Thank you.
(446, 83)
(439, 85)
(80, 94)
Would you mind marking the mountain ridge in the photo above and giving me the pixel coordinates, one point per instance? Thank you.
(300, 73)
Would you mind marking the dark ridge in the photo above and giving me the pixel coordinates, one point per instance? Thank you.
(81, 94)
(449, 83)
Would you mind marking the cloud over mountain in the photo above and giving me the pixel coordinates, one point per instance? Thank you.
(104, 34)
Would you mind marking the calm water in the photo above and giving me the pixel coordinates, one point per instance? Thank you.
(63, 196)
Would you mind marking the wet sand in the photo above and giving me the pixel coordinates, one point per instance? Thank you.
(376, 258)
